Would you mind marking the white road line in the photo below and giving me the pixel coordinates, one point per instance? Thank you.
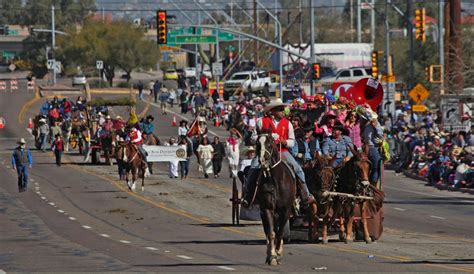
(426, 194)
(124, 241)
(52, 204)
(60, 211)
(32, 180)
(226, 268)
(167, 251)
(42, 197)
(151, 248)
(399, 209)
(184, 257)
(37, 192)
(105, 235)
(37, 184)
(86, 227)
(436, 217)
(72, 218)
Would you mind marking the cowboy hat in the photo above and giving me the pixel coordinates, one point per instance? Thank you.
(457, 151)
(42, 120)
(330, 114)
(248, 149)
(118, 117)
(107, 117)
(183, 122)
(21, 141)
(274, 104)
(150, 117)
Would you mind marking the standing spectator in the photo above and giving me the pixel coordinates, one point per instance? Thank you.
(203, 81)
(43, 134)
(58, 148)
(218, 156)
(21, 159)
(172, 97)
(233, 151)
(164, 95)
(205, 151)
(156, 90)
(56, 129)
(184, 165)
(80, 103)
(184, 102)
(140, 88)
(67, 108)
(151, 85)
(173, 165)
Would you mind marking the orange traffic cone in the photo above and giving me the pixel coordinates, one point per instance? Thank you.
(174, 121)
(217, 121)
(30, 123)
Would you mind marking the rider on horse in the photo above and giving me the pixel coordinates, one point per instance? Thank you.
(283, 133)
(136, 139)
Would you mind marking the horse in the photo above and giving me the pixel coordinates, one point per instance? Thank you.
(133, 163)
(151, 140)
(321, 179)
(238, 123)
(359, 165)
(276, 191)
(107, 143)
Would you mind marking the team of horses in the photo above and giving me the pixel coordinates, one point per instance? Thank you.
(277, 191)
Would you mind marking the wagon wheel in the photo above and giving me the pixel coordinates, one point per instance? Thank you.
(235, 203)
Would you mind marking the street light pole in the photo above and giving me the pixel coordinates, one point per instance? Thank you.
(53, 42)
(311, 20)
(359, 23)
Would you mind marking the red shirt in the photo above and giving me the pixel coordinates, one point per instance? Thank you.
(281, 129)
(58, 145)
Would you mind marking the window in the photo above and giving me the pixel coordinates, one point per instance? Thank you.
(358, 72)
(345, 73)
(263, 74)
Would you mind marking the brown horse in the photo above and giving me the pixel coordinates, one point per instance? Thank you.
(321, 179)
(276, 192)
(132, 162)
(358, 185)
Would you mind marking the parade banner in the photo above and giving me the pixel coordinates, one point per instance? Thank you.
(165, 153)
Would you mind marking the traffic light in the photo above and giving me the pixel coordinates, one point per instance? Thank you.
(375, 67)
(162, 28)
(316, 71)
(420, 21)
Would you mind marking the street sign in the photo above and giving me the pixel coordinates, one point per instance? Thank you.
(195, 39)
(57, 66)
(419, 93)
(50, 64)
(419, 108)
(99, 64)
(217, 69)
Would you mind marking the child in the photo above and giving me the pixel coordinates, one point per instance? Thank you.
(58, 147)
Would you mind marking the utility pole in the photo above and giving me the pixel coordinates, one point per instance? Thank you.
(410, 33)
(53, 42)
(441, 43)
(351, 18)
(359, 23)
(455, 48)
(311, 20)
(372, 23)
(255, 32)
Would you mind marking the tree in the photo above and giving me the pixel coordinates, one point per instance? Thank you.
(119, 45)
(10, 12)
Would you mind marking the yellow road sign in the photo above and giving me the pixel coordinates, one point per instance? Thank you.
(419, 93)
(419, 108)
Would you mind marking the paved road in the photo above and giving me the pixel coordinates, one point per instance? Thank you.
(80, 217)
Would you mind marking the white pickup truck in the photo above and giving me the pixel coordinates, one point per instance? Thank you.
(248, 81)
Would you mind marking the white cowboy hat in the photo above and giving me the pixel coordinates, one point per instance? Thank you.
(107, 117)
(118, 117)
(273, 104)
(42, 120)
(248, 149)
(21, 141)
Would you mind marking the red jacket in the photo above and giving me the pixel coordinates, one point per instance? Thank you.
(281, 129)
(58, 145)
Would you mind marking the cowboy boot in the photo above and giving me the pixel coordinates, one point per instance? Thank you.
(250, 186)
(306, 197)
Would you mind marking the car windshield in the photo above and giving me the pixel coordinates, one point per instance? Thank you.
(240, 77)
(171, 71)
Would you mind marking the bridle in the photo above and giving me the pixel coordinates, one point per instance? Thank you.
(364, 182)
(262, 138)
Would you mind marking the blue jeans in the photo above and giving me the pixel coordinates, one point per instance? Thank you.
(22, 177)
(44, 141)
(375, 158)
(184, 167)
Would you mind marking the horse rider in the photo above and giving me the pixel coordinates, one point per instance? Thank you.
(148, 126)
(338, 146)
(283, 133)
(136, 139)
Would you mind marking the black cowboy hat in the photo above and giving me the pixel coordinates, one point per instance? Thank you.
(183, 122)
(339, 126)
(150, 117)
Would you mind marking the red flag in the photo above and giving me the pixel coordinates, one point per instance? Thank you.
(193, 129)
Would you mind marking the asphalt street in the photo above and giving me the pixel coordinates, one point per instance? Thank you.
(80, 217)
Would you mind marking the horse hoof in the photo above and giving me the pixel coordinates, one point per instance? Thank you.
(368, 241)
(279, 260)
(342, 237)
(272, 260)
(325, 241)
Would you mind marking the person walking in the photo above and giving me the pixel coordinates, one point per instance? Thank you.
(233, 151)
(43, 134)
(164, 95)
(58, 148)
(184, 165)
(173, 165)
(205, 151)
(21, 160)
(140, 88)
(218, 156)
(156, 90)
(151, 84)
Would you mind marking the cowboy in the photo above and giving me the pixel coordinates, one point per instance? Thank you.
(21, 159)
(338, 146)
(43, 133)
(136, 139)
(283, 133)
(148, 126)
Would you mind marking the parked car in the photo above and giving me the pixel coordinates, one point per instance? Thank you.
(189, 72)
(352, 74)
(79, 80)
(170, 74)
